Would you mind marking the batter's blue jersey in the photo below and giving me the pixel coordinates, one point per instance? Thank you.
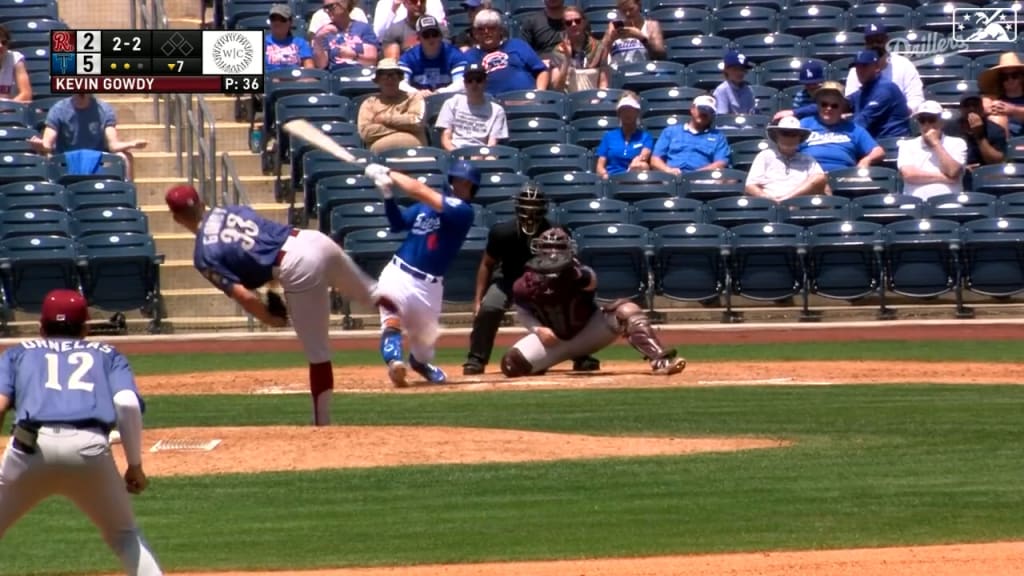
(235, 245)
(434, 237)
(64, 380)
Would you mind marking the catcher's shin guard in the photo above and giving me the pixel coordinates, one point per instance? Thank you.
(321, 383)
(641, 336)
(514, 364)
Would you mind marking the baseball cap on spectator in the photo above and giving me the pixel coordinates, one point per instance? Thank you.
(734, 58)
(929, 107)
(181, 198)
(876, 28)
(812, 73)
(64, 307)
(427, 23)
(472, 3)
(865, 57)
(628, 102)
(282, 10)
(475, 70)
(706, 104)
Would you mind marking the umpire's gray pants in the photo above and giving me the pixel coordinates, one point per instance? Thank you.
(601, 331)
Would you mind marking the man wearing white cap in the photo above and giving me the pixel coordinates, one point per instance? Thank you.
(696, 145)
(933, 163)
(782, 172)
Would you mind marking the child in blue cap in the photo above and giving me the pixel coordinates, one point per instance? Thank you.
(734, 95)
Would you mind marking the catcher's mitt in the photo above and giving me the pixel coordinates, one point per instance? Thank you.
(276, 305)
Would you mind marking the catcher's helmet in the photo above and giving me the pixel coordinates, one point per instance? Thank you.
(531, 207)
(464, 170)
(552, 242)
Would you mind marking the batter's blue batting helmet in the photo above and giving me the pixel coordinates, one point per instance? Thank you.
(466, 171)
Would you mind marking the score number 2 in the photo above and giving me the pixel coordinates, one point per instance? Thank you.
(133, 44)
(84, 363)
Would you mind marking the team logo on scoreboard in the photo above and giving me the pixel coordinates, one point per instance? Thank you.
(232, 52)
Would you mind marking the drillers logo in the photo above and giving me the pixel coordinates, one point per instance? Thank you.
(984, 25)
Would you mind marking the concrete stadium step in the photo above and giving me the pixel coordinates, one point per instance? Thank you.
(231, 136)
(160, 221)
(85, 15)
(175, 245)
(183, 9)
(138, 109)
(160, 164)
(199, 303)
(151, 190)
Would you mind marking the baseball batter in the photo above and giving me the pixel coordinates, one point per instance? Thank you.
(239, 251)
(555, 301)
(67, 393)
(438, 224)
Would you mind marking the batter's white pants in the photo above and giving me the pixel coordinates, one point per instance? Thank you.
(312, 265)
(78, 465)
(419, 302)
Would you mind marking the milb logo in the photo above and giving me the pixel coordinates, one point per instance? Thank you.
(984, 25)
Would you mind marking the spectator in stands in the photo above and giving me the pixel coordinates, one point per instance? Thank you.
(781, 171)
(878, 106)
(734, 95)
(812, 74)
(579, 56)
(696, 145)
(1002, 87)
(433, 66)
(14, 81)
(344, 42)
(391, 118)
(473, 118)
(544, 30)
(986, 139)
(628, 147)
(388, 12)
(837, 142)
(631, 37)
(85, 127)
(282, 49)
(895, 68)
(321, 17)
(403, 34)
(465, 40)
(510, 63)
(932, 163)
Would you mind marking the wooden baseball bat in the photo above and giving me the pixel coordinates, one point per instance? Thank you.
(305, 130)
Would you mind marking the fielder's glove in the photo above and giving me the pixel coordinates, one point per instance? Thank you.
(379, 174)
(276, 306)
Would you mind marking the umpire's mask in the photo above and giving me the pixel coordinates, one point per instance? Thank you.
(531, 208)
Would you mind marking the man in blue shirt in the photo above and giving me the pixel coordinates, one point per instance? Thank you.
(67, 394)
(696, 145)
(239, 252)
(836, 142)
(879, 106)
(437, 225)
(433, 66)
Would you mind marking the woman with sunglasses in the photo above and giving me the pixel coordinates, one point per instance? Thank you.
(581, 53)
(344, 42)
(781, 171)
(836, 142)
(1003, 88)
(932, 163)
(14, 81)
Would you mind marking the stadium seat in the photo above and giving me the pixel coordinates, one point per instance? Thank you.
(690, 261)
(23, 168)
(37, 195)
(315, 108)
(812, 210)
(636, 186)
(766, 261)
(16, 115)
(120, 272)
(282, 83)
(705, 74)
(687, 50)
(669, 100)
(1010, 205)
(40, 82)
(526, 132)
(555, 158)
(521, 7)
(111, 167)
(345, 189)
(234, 10)
(944, 68)
(744, 152)
(962, 207)
(738, 210)
(535, 104)
(36, 265)
(922, 257)
(354, 81)
(854, 182)
(710, 184)
(886, 208)
(993, 256)
(807, 19)
(101, 193)
(299, 24)
(34, 32)
(896, 17)
(502, 211)
(891, 146)
(844, 260)
(432, 107)
(642, 76)
(618, 254)
(16, 147)
(349, 216)
(34, 222)
(766, 100)
(738, 127)
(37, 59)
(342, 132)
(17, 134)
(372, 249)
(950, 93)
(736, 21)
(416, 160)
(588, 131)
(576, 213)
(460, 280)
(761, 47)
(680, 21)
(566, 186)
(703, 5)
(656, 124)
(784, 72)
(655, 212)
(109, 220)
(586, 103)
(998, 179)
(499, 186)
(938, 16)
(832, 46)
(489, 159)
(32, 9)
(774, 5)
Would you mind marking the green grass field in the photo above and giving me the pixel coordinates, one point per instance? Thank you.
(870, 466)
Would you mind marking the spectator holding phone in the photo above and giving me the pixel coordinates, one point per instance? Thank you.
(580, 55)
(631, 38)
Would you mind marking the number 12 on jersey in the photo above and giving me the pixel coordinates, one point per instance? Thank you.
(80, 364)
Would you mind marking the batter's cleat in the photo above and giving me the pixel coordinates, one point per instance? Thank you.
(397, 371)
(472, 369)
(432, 373)
(586, 364)
(668, 366)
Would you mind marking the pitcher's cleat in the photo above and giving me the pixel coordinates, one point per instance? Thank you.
(432, 373)
(397, 373)
(668, 366)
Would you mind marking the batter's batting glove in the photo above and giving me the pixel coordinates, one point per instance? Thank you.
(379, 174)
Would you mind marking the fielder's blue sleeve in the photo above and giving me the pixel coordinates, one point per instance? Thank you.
(121, 377)
(7, 375)
(806, 110)
(456, 212)
(399, 220)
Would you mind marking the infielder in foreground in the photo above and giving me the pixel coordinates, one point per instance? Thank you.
(555, 301)
(67, 394)
(414, 279)
(239, 251)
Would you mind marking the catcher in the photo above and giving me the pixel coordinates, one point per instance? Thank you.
(555, 301)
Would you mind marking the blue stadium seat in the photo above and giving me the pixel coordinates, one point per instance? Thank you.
(738, 127)
(892, 150)
(416, 160)
(642, 76)
(120, 272)
(111, 167)
(16, 146)
(705, 5)
(565, 186)
(101, 193)
(807, 19)
(669, 100)
(23, 168)
(482, 216)
(234, 10)
(993, 256)
(555, 158)
(998, 179)
(521, 7)
(576, 213)
(766, 261)
(944, 68)
(710, 184)
(589, 130)
(842, 4)
(350, 216)
(1014, 148)
(344, 133)
(499, 186)
(432, 107)
(32, 32)
(618, 254)
(36, 265)
(690, 261)
(316, 108)
(844, 259)
(33, 195)
(502, 211)
(938, 16)
(372, 249)
(736, 21)
(17, 134)
(636, 186)
(32, 9)
(774, 5)
(744, 152)
(460, 280)
(490, 159)
(784, 72)
(738, 210)
(34, 222)
(299, 24)
(855, 182)
(1010, 205)
(950, 93)
(40, 82)
(655, 212)
(886, 208)
(761, 47)
(680, 21)
(354, 81)
(109, 220)
(922, 257)
(282, 83)
(656, 124)
(705, 74)
(16, 114)
(344, 189)
(586, 103)
(896, 17)
(962, 207)
(812, 210)
(526, 132)
(832, 46)
(766, 100)
(535, 104)
(687, 50)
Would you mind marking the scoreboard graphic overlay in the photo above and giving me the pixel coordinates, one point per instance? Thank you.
(156, 61)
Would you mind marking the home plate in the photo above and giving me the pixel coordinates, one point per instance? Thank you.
(185, 445)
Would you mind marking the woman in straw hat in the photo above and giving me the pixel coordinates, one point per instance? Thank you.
(781, 171)
(1003, 88)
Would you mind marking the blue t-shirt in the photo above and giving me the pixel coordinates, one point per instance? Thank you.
(359, 34)
(618, 153)
(80, 128)
(881, 108)
(287, 53)
(432, 73)
(235, 245)
(512, 66)
(434, 238)
(836, 147)
(733, 99)
(64, 380)
(683, 149)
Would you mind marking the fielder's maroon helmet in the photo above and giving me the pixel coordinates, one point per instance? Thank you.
(64, 307)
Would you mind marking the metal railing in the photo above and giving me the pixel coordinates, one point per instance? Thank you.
(151, 15)
(196, 143)
(231, 189)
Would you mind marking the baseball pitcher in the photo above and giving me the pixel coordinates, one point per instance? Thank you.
(413, 281)
(239, 251)
(555, 301)
(67, 394)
